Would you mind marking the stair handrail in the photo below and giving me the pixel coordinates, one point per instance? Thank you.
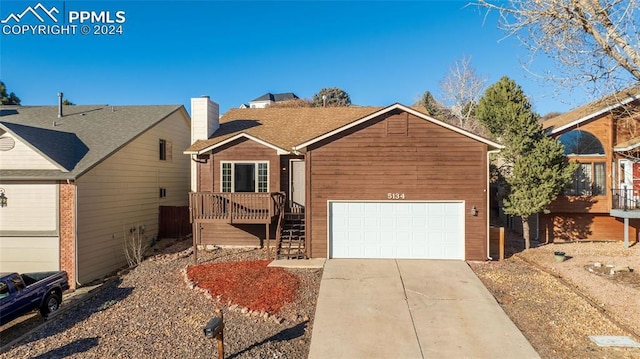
(282, 196)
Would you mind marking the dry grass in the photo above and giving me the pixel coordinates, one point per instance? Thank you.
(558, 305)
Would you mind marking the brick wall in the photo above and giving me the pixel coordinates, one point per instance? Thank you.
(67, 231)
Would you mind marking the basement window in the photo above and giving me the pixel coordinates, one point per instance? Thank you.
(244, 176)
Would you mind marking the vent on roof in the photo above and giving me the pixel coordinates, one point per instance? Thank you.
(7, 143)
(59, 104)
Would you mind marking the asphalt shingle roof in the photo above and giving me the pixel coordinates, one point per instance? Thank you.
(283, 127)
(276, 97)
(82, 138)
(590, 108)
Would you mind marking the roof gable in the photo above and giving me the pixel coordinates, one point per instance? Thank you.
(16, 154)
(292, 129)
(591, 110)
(281, 151)
(83, 137)
(491, 144)
(63, 148)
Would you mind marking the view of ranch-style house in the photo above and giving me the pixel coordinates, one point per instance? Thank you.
(78, 180)
(339, 182)
(603, 200)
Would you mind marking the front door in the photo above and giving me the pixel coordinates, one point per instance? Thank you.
(626, 174)
(297, 189)
(626, 190)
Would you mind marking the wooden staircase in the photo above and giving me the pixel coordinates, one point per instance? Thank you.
(291, 241)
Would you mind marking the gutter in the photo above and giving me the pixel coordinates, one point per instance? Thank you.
(75, 234)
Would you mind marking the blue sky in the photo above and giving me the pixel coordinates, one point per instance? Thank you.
(169, 51)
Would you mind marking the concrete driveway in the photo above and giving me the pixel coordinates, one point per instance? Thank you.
(385, 308)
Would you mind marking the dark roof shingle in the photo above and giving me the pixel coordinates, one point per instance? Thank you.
(276, 97)
(80, 139)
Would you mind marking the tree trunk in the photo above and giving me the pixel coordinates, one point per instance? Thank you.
(525, 231)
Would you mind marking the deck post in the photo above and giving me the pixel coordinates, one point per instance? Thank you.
(268, 250)
(195, 234)
(230, 211)
(626, 233)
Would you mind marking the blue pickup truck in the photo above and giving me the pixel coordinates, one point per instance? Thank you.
(22, 293)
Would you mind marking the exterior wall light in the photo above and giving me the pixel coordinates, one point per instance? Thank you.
(3, 198)
(474, 211)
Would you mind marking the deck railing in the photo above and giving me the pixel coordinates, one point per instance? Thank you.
(625, 199)
(238, 207)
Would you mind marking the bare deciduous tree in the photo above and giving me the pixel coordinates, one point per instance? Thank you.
(594, 43)
(461, 89)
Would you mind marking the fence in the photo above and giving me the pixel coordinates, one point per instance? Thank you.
(174, 222)
(496, 243)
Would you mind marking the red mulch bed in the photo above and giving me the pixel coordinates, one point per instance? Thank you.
(249, 284)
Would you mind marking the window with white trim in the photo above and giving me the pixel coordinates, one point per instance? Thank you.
(250, 176)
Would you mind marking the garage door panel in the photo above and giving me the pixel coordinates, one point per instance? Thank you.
(29, 254)
(430, 230)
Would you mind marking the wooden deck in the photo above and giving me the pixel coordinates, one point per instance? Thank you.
(624, 204)
(235, 208)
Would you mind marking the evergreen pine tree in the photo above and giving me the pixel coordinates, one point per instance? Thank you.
(537, 169)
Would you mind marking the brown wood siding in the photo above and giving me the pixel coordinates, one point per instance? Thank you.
(239, 150)
(246, 150)
(602, 129)
(573, 227)
(367, 163)
(205, 174)
(627, 124)
(236, 234)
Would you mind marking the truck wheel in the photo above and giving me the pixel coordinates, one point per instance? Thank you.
(51, 304)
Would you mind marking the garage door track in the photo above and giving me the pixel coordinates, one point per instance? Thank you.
(386, 308)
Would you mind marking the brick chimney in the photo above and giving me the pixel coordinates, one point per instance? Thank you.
(205, 118)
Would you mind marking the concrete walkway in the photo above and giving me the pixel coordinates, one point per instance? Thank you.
(385, 308)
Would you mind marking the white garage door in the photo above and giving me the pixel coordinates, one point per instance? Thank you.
(417, 230)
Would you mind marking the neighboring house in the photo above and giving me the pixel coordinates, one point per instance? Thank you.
(602, 202)
(371, 182)
(269, 98)
(78, 183)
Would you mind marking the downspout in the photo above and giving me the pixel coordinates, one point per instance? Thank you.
(488, 208)
(75, 234)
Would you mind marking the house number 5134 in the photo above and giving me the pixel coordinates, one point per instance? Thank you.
(395, 195)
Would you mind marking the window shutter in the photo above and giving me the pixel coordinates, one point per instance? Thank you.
(169, 151)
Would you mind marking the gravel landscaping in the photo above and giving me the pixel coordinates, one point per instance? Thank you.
(558, 305)
(151, 312)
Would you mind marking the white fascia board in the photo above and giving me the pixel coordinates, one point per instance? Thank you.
(279, 150)
(628, 148)
(302, 146)
(595, 114)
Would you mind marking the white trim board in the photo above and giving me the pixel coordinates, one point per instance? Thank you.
(279, 150)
